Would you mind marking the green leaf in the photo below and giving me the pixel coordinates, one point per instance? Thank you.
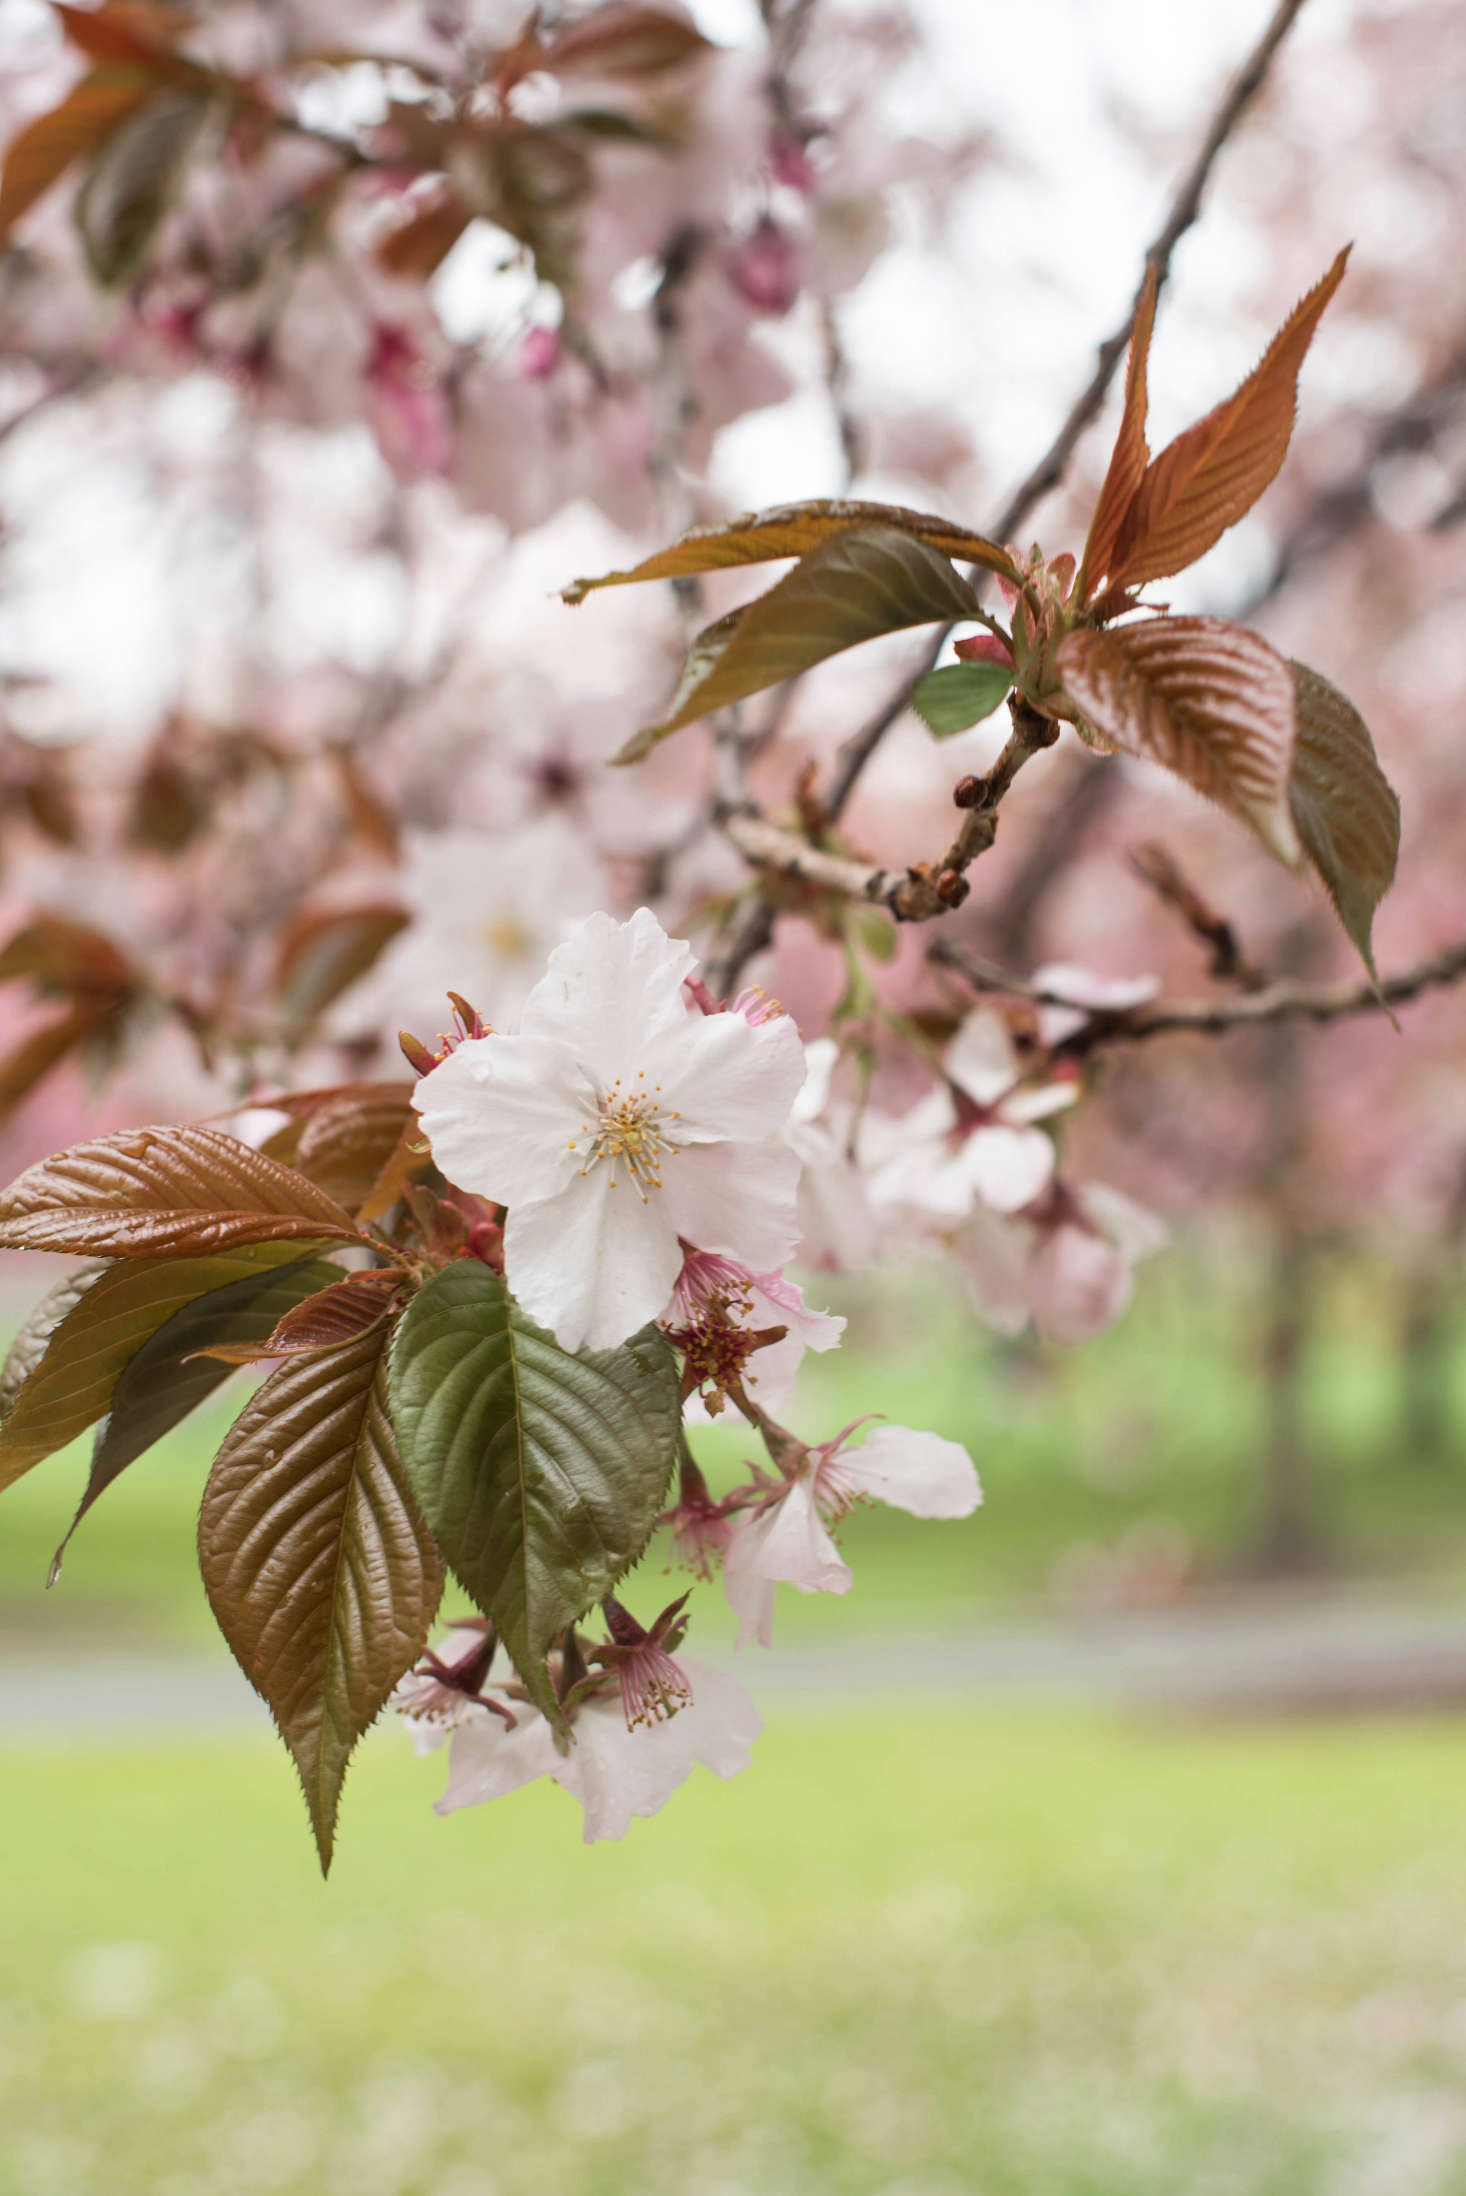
(541, 1474)
(866, 581)
(1344, 806)
(144, 1192)
(30, 1345)
(71, 1382)
(132, 182)
(959, 696)
(792, 530)
(318, 1565)
(164, 1381)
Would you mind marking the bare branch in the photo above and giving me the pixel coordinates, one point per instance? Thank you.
(1281, 1002)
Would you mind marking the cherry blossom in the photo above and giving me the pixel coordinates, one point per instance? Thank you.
(617, 1772)
(618, 1126)
(974, 1135)
(1068, 1264)
(1089, 993)
(784, 1536)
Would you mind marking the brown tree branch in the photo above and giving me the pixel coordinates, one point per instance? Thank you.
(1280, 1002)
(1047, 473)
(926, 889)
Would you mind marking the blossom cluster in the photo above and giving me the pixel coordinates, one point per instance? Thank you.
(643, 1154)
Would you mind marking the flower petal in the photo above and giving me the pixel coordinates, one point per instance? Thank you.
(504, 1117)
(735, 1198)
(609, 989)
(725, 1077)
(916, 1472)
(784, 1544)
(1078, 1285)
(1008, 1166)
(595, 1263)
(486, 1759)
(981, 1059)
(617, 1774)
(1135, 1233)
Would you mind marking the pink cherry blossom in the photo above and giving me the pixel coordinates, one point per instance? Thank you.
(784, 1538)
(618, 1126)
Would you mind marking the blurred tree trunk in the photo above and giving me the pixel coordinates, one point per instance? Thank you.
(1428, 1319)
(1290, 1536)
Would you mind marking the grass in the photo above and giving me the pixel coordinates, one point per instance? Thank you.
(909, 1954)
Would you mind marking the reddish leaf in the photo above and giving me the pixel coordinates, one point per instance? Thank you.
(1344, 806)
(371, 819)
(335, 1315)
(27, 1065)
(318, 1566)
(40, 154)
(70, 1384)
(792, 530)
(165, 1379)
(350, 1135)
(622, 39)
(1209, 699)
(1206, 479)
(1130, 455)
(418, 247)
(133, 33)
(144, 1192)
(859, 584)
(326, 949)
(30, 1345)
(61, 956)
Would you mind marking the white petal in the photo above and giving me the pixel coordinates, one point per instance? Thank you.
(595, 1263)
(504, 1115)
(787, 1544)
(1038, 1103)
(1086, 989)
(981, 1059)
(617, 1774)
(917, 1472)
(1135, 1233)
(610, 989)
(820, 1057)
(486, 1759)
(748, 1593)
(1078, 1285)
(724, 1720)
(739, 1199)
(992, 1256)
(726, 1078)
(1008, 1166)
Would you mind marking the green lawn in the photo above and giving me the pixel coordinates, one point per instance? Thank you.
(910, 1953)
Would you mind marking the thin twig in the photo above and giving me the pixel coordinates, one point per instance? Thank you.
(1281, 1002)
(1049, 470)
(1157, 867)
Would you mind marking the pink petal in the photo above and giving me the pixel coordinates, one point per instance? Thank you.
(736, 1198)
(916, 1472)
(502, 1115)
(595, 1263)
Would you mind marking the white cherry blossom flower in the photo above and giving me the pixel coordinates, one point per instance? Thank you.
(784, 1540)
(837, 1226)
(974, 1136)
(616, 1772)
(619, 1125)
(1068, 1264)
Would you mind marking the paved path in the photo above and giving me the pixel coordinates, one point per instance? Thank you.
(1321, 1654)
